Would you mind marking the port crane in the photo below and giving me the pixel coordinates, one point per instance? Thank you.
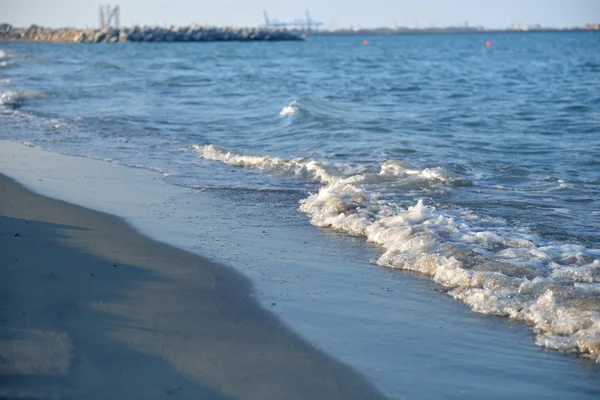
(306, 24)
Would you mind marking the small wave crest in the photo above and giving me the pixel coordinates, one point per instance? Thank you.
(492, 267)
(4, 59)
(324, 172)
(404, 169)
(288, 110)
(301, 167)
(16, 98)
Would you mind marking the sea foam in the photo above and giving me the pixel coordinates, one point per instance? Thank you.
(492, 267)
(288, 110)
(3, 58)
(16, 98)
(299, 166)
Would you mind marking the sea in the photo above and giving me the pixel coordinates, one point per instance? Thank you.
(424, 207)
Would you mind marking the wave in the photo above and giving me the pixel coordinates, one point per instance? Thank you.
(104, 159)
(301, 167)
(288, 110)
(236, 189)
(489, 265)
(4, 59)
(331, 109)
(15, 99)
(404, 169)
(106, 65)
(130, 165)
(321, 172)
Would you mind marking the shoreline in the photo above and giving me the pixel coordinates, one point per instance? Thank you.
(242, 154)
(443, 31)
(396, 328)
(89, 304)
(142, 33)
(197, 33)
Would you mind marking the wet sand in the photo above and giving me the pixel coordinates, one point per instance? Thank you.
(89, 308)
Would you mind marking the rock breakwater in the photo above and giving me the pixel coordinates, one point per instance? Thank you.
(192, 33)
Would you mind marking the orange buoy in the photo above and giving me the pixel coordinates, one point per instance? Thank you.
(488, 43)
(365, 42)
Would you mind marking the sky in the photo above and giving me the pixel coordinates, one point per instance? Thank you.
(332, 13)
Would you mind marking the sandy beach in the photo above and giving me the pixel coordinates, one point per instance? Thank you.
(92, 309)
(410, 342)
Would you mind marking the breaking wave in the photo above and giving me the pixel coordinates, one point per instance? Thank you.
(288, 110)
(494, 268)
(16, 98)
(3, 59)
(302, 167)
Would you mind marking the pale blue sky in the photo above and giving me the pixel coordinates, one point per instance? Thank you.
(333, 13)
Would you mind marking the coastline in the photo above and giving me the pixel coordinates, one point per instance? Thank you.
(90, 305)
(198, 33)
(124, 130)
(396, 328)
(192, 33)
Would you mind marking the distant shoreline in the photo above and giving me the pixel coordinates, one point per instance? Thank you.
(193, 33)
(197, 33)
(391, 32)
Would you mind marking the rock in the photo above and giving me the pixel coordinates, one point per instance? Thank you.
(98, 37)
(192, 33)
(123, 36)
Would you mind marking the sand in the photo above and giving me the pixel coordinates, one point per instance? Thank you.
(89, 308)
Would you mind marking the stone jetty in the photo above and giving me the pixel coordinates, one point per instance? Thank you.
(192, 33)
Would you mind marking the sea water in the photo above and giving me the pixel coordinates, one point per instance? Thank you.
(475, 166)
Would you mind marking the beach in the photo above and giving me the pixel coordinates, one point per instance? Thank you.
(421, 211)
(405, 337)
(92, 309)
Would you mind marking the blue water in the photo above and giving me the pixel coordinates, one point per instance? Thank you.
(522, 114)
(478, 167)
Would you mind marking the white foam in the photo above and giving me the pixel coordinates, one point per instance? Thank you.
(299, 166)
(15, 98)
(7, 98)
(404, 169)
(288, 110)
(498, 272)
(492, 267)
